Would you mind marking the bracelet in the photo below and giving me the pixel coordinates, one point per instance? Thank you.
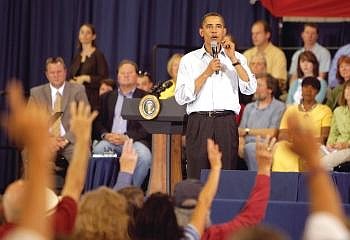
(236, 63)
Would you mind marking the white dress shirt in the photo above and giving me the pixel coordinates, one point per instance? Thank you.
(53, 98)
(220, 91)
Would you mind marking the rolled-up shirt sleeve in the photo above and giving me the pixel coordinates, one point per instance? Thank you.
(185, 84)
(250, 86)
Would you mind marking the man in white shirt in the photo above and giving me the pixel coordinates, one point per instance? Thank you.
(310, 36)
(209, 80)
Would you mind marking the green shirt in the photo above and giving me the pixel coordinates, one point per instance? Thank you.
(334, 95)
(340, 126)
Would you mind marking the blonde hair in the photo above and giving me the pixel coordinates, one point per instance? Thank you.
(102, 215)
(173, 58)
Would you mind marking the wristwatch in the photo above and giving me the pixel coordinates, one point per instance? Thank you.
(236, 63)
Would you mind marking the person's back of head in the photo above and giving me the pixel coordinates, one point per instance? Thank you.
(13, 201)
(259, 232)
(157, 220)
(102, 215)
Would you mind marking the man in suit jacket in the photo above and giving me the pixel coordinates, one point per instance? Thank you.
(45, 94)
(113, 130)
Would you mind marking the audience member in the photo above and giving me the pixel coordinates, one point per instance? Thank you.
(343, 74)
(107, 85)
(269, 112)
(338, 142)
(333, 80)
(56, 96)
(144, 81)
(172, 68)
(28, 126)
(89, 65)
(284, 160)
(65, 212)
(209, 86)
(275, 57)
(102, 215)
(327, 218)
(113, 130)
(307, 67)
(157, 220)
(309, 37)
(186, 197)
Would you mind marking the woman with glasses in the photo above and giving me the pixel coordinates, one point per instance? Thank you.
(89, 65)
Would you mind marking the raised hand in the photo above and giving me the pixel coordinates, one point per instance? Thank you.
(81, 120)
(264, 149)
(128, 159)
(27, 124)
(214, 154)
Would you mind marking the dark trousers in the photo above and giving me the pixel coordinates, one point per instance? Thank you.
(222, 128)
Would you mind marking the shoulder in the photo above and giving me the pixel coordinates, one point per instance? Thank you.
(324, 108)
(98, 53)
(278, 103)
(340, 110)
(321, 49)
(38, 89)
(275, 50)
(192, 55)
(249, 52)
(139, 93)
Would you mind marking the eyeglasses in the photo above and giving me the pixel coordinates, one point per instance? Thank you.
(144, 73)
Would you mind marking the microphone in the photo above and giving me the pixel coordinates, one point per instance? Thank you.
(214, 50)
(160, 88)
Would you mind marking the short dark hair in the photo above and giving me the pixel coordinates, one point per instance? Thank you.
(311, 81)
(312, 25)
(108, 81)
(127, 61)
(271, 82)
(211, 14)
(266, 26)
(54, 60)
(310, 57)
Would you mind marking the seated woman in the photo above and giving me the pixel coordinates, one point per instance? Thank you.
(343, 75)
(338, 143)
(307, 67)
(285, 160)
(172, 68)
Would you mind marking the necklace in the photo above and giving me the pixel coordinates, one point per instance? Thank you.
(302, 109)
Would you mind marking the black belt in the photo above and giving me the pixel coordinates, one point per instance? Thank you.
(214, 113)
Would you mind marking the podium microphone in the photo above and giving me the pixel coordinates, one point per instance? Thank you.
(214, 50)
(159, 89)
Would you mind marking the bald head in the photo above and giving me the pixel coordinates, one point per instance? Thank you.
(13, 201)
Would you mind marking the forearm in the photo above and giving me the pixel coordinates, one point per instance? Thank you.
(242, 73)
(199, 82)
(205, 199)
(76, 173)
(272, 132)
(323, 195)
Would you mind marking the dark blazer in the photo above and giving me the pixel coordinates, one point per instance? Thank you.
(96, 67)
(72, 92)
(104, 121)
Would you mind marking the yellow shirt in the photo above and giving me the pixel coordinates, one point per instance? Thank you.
(169, 92)
(275, 59)
(285, 160)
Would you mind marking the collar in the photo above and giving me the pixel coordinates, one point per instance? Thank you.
(60, 89)
(203, 52)
(128, 95)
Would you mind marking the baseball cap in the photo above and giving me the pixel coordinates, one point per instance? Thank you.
(185, 190)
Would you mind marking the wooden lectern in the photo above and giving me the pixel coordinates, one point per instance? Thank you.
(166, 130)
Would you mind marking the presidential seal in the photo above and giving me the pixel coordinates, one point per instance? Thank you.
(149, 107)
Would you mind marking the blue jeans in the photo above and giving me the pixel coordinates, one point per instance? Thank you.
(143, 162)
(250, 156)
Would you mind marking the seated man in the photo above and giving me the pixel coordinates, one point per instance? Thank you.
(113, 130)
(259, 118)
(57, 95)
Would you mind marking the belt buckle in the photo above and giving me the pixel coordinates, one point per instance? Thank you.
(211, 113)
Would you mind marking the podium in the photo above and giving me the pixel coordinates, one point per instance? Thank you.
(166, 130)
